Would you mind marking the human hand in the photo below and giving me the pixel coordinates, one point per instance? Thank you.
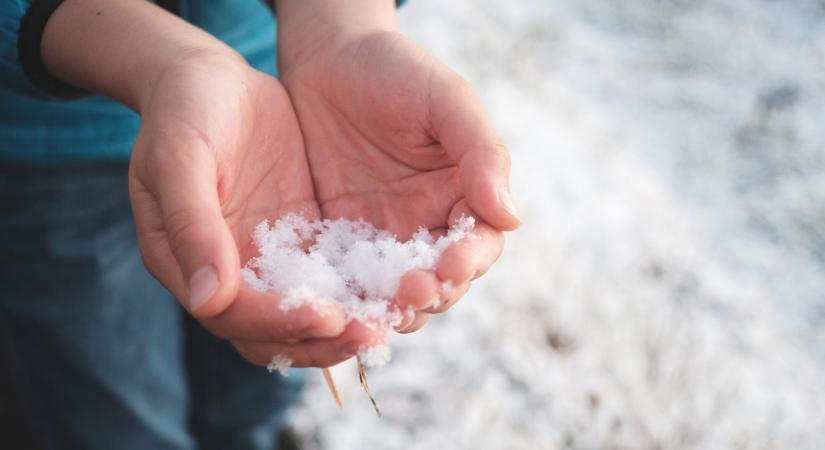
(219, 151)
(395, 137)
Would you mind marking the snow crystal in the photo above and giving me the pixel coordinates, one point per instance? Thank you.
(281, 363)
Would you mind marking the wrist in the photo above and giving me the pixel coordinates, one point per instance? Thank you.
(307, 26)
(185, 63)
(120, 49)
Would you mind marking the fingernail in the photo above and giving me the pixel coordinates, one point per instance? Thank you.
(410, 314)
(202, 286)
(305, 326)
(506, 202)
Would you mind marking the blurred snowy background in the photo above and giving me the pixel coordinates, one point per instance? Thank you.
(667, 290)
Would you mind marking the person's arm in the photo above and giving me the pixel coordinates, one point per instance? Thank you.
(306, 24)
(120, 48)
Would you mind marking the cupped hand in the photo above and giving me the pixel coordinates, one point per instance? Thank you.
(395, 137)
(219, 151)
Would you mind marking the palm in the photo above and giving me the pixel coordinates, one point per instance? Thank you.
(205, 171)
(270, 177)
(394, 137)
(246, 134)
(367, 139)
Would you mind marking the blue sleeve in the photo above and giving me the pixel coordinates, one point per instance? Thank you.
(12, 77)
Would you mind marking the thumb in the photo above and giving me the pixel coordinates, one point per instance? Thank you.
(198, 236)
(465, 133)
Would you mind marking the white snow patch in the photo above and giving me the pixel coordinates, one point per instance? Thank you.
(281, 363)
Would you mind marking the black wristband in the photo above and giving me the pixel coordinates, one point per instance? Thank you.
(29, 40)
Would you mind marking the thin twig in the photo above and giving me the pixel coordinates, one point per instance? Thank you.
(362, 375)
(332, 389)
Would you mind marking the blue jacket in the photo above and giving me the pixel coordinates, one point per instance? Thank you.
(36, 129)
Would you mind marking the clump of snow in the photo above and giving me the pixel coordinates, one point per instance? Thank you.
(281, 363)
(348, 262)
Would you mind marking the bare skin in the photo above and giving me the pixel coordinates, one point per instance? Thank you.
(395, 137)
(369, 126)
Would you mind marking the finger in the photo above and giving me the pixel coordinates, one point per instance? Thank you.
(315, 352)
(407, 317)
(463, 129)
(450, 295)
(472, 256)
(260, 316)
(184, 182)
(152, 242)
(421, 319)
(417, 289)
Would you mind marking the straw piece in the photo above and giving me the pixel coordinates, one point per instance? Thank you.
(362, 375)
(332, 389)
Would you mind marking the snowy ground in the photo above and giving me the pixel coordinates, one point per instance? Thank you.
(667, 290)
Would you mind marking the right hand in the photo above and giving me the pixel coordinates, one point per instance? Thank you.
(219, 151)
(395, 137)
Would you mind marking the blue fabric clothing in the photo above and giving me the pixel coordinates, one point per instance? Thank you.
(102, 356)
(38, 130)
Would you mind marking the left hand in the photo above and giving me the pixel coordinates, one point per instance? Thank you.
(395, 137)
(218, 151)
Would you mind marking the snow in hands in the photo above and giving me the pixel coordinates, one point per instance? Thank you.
(348, 262)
